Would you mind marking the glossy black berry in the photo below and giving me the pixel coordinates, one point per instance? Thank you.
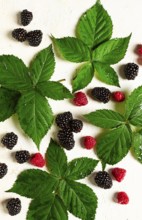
(66, 139)
(9, 140)
(76, 125)
(34, 38)
(22, 156)
(102, 94)
(63, 120)
(14, 206)
(3, 170)
(103, 180)
(19, 34)
(26, 17)
(131, 71)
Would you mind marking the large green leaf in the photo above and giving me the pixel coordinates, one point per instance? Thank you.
(35, 115)
(105, 118)
(137, 145)
(72, 49)
(112, 51)
(42, 67)
(14, 74)
(114, 145)
(94, 26)
(33, 183)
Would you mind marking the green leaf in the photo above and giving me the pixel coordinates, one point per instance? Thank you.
(8, 102)
(114, 145)
(106, 74)
(72, 49)
(42, 67)
(35, 115)
(54, 90)
(14, 74)
(80, 168)
(49, 207)
(83, 77)
(105, 118)
(112, 51)
(79, 199)
(137, 145)
(33, 183)
(56, 159)
(94, 26)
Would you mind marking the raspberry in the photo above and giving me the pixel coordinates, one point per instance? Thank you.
(26, 17)
(63, 120)
(122, 198)
(34, 38)
(101, 94)
(37, 160)
(3, 170)
(139, 50)
(19, 34)
(9, 140)
(118, 96)
(118, 173)
(14, 206)
(66, 139)
(80, 99)
(76, 125)
(131, 71)
(89, 142)
(103, 180)
(22, 156)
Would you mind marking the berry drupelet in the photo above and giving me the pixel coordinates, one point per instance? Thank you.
(9, 140)
(34, 37)
(102, 94)
(26, 17)
(103, 180)
(22, 156)
(131, 71)
(19, 34)
(3, 170)
(14, 206)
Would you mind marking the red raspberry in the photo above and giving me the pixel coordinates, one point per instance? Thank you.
(118, 173)
(37, 160)
(89, 142)
(80, 99)
(122, 198)
(118, 96)
(139, 50)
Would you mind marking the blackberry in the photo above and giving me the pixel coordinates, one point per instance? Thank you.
(131, 71)
(34, 38)
(26, 17)
(76, 125)
(103, 180)
(66, 139)
(14, 206)
(3, 170)
(102, 94)
(22, 156)
(9, 140)
(19, 34)
(63, 120)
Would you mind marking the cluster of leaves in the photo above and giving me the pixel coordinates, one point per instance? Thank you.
(24, 91)
(55, 193)
(94, 47)
(117, 141)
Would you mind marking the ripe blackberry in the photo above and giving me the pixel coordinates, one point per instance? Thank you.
(14, 206)
(34, 38)
(22, 156)
(26, 17)
(101, 94)
(3, 170)
(66, 139)
(19, 34)
(76, 125)
(131, 71)
(103, 180)
(9, 140)
(63, 120)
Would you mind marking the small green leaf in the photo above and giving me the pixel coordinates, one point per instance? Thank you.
(83, 77)
(56, 159)
(137, 145)
(14, 74)
(112, 51)
(105, 118)
(94, 26)
(35, 115)
(48, 207)
(54, 90)
(106, 74)
(80, 168)
(42, 67)
(72, 49)
(33, 183)
(114, 145)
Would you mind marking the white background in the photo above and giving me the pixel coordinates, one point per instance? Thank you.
(59, 17)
